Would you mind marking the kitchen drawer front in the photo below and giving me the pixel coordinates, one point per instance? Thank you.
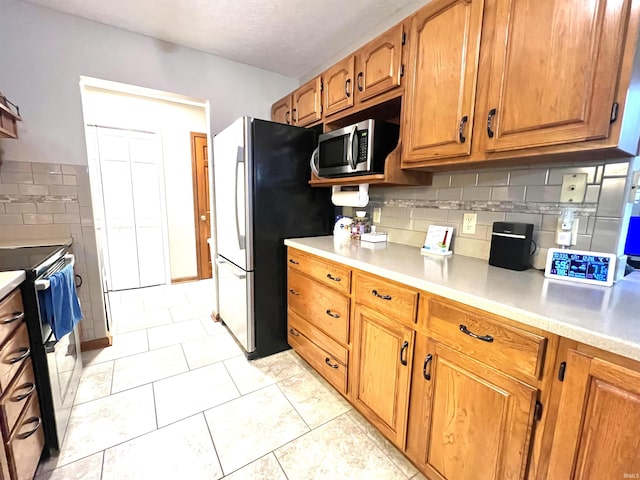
(328, 273)
(507, 348)
(297, 326)
(15, 351)
(16, 397)
(323, 307)
(393, 300)
(11, 314)
(323, 362)
(27, 442)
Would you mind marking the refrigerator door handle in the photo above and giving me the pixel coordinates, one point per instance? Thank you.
(239, 164)
(237, 272)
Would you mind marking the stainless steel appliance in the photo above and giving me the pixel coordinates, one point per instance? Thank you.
(57, 364)
(358, 149)
(262, 196)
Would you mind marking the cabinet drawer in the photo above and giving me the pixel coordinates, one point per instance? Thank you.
(27, 442)
(13, 355)
(394, 301)
(507, 348)
(11, 314)
(328, 273)
(299, 326)
(16, 396)
(323, 307)
(323, 362)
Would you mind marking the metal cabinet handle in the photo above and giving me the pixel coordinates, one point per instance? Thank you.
(15, 316)
(461, 136)
(37, 421)
(328, 362)
(295, 114)
(286, 117)
(383, 297)
(403, 350)
(484, 338)
(492, 113)
(333, 315)
(331, 277)
(358, 78)
(293, 332)
(427, 361)
(291, 260)
(32, 388)
(293, 292)
(347, 87)
(25, 352)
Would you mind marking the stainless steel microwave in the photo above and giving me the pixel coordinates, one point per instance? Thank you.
(358, 149)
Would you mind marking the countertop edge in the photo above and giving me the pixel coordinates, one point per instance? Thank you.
(9, 281)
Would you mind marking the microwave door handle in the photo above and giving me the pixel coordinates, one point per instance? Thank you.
(351, 159)
(313, 162)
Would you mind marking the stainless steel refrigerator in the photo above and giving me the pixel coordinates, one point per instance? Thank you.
(262, 196)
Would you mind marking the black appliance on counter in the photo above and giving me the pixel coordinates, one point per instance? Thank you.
(57, 364)
(511, 245)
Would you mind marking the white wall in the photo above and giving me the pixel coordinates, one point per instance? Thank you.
(44, 53)
(173, 122)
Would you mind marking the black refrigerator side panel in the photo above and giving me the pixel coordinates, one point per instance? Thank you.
(285, 206)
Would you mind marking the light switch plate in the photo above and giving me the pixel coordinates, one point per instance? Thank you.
(469, 223)
(574, 188)
(377, 212)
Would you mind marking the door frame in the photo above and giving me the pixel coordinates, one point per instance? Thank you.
(196, 216)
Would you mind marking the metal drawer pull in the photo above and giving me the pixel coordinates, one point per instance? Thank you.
(30, 386)
(293, 332)
(333, 315)
(403, 360)
(36, 420)
(293, 292)
(328, 362)
(383, 297)
(484, 338)
(490, 131)
(291, 260)
(15, 316)
(331, 277)
(25, 352)
(427, 361)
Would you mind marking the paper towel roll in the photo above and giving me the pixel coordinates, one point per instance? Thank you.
(350, 198)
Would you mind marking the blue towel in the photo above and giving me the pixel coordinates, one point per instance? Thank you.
(59, 304)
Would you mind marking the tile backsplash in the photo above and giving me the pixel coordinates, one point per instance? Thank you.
(49, 202)
(530, 195)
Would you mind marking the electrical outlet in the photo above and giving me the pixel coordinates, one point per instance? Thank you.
(377, 212)
(469, 223)
(574, 188)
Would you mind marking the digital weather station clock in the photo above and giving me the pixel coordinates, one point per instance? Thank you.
(581, 266)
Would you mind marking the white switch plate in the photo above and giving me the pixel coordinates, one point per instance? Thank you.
(574, 188)
(377, 212)
(469, 223)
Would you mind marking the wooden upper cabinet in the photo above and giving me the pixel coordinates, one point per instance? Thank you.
(281, 111)
(307, 105)
(338, 86)
(554, 68)
(596, 435)
(379, 64)
(467, 420)
(441, 85)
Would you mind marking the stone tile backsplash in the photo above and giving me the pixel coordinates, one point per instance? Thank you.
(530, 195)
(48, 201)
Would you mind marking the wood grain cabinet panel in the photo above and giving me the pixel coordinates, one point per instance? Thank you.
(16, 396)
(596, 435)
(396, 301)
(337, 277)
(554, 69)
(307, 103)
(281, 110)
(26, 443)
(467, 420)
(441, 85)
(13, 354)
(338, 86)
(11, 314)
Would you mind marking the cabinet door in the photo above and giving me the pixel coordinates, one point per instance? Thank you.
(441, 86)
(379, 64)
(554, 69)
(338, 86)
(467, 420)
(306, 103)
(383, 355)
(596, 434)
(281, 111)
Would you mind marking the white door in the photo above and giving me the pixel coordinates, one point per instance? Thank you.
(129, 167)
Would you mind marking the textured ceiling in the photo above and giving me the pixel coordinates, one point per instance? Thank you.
(290, 37)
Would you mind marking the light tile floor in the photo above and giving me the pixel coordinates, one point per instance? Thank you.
(174, 398)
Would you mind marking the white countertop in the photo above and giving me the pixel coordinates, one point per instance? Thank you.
(9, 281)
(603, 317)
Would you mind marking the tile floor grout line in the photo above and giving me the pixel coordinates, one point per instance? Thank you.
(291, 403)
(284, 472)
(213, 442)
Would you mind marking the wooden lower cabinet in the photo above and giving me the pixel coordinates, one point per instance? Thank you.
(383, 354)
(467, 420)
(597, 431)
